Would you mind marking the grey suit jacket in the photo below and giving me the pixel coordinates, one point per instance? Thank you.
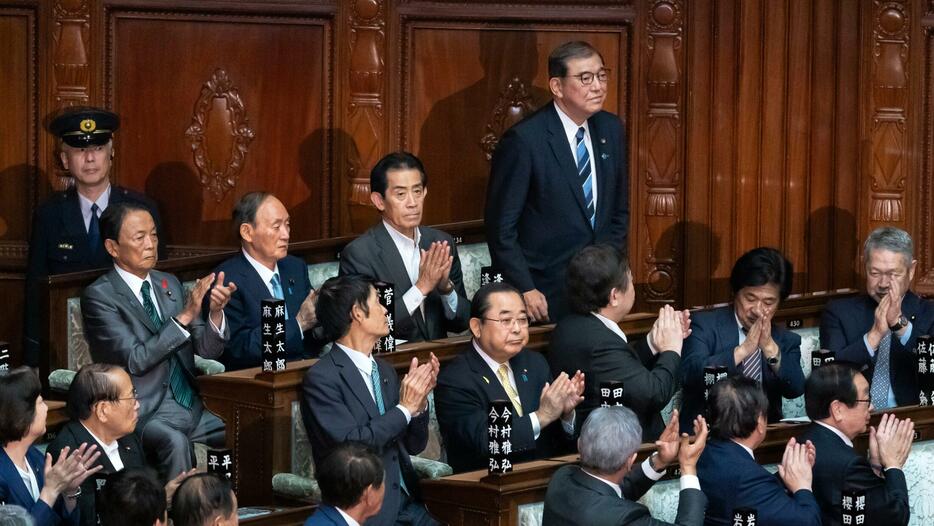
(574, 497)
(120, 332)
(374, 254)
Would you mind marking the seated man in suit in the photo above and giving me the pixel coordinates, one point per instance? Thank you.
(559, 181)
(878, 331)
(416, 259)
(600, 294)
(837, 401)
(264, 270)
(133, 497)
(139, 318)
(204, 499)
(103, 409)
(728, 470)
(741, 337)
(496, 366)
(66, 233)
(351, 482)
(349, 395)
(604, 488)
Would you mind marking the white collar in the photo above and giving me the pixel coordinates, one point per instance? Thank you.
(610, 324)
(107, 449)
(401, 239)
(744, 446)
(570, 127)
(102, 201)
(350, 520)
(615, 486)
(837, 432)
(264, 273)
(133, 281)
(362, 361)
(493, 364)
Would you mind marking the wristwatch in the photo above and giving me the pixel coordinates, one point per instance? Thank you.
(900, 324)
(773, 360)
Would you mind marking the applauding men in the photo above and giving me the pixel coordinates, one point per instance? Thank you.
(741, 337)
(837, 400)
(350, 395)
(139, 318)
(419, 261)
(498, 367)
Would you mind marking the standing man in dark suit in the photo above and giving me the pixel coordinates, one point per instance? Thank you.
(348, 395)
(837, 401)
(264, 270)
(138, 318)
(558, 182)
(418, 260)
(352, 488)
(497, 366)
(602, 491)
(601, 293)
(728, 470)
(104, 410)
(878, 331)
(741, 337)
(65, 234)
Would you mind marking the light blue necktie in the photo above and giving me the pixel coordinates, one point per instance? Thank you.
(879, 392)
(586, 175)
(277, 291)
(378, 396)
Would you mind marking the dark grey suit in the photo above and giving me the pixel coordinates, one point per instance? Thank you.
(574, 497)
(374, 254)
(120, 332)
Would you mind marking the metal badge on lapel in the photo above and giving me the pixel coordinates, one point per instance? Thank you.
(485, 379)
(525, 377)
(602, 140)
(604, 156)
(66, 246)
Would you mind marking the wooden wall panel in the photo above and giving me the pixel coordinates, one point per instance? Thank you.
(216, 106)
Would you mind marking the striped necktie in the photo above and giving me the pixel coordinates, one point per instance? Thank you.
(879, 391)
(752, 365)
(586, 175)
(503, 374)
(178, 381)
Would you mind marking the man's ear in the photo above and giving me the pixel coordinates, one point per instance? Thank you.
(613, 297)
(554, 84)
(111, 247)
(475, 327)
(631, 461)
(246, 232)
(64, 159)
(377, 199)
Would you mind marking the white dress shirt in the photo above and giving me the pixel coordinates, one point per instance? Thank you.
(347, 518)
(29, 480)
(613, 326)
(570, 130)
(265, 274)
(112, 450)
(364, 364)
(411, 256)
(85, 204)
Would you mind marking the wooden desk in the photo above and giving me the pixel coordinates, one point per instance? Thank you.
(494, 500)
(282, 517)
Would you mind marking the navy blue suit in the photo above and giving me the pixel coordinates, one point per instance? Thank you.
(838, 467)
(13, 491)
(714, 335)
(732, 479)
(59, 244)
(536, 217)
(845, 322)
(467, 385)
(326, 516)
(243, 311)
(337, 407)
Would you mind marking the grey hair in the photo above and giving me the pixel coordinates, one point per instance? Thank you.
(245, 209)
(608, 438)
(892, 239)
(13, 515)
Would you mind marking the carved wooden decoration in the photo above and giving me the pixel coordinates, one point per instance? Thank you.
(888, 132)
(662, 155)
(365, 82)
(513, 105)
(71, 72)
(219, 125)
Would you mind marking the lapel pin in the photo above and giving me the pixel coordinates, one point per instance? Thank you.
(602, 140)
(65, 246)
(524, 377)
(165, 287)
(604, 156)
(487, 380)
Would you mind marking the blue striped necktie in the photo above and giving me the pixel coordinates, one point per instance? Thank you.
(586, 175)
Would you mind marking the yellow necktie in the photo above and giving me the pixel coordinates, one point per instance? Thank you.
(503, 374)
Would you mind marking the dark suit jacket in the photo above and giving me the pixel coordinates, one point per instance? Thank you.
(732, 479)
(120, 332)
(467, 385)
(714, 335)
(374, 254)
(72, 435)
(649, 381)
(243, 311)
(535, 212)
(59, 244)
(326, 516)
(838, 467)
(575, 498)
(13, 491)
(337, 407)
(845, 322)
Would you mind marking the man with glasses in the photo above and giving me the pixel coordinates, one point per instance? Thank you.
(837, 401)
(878, 330)
(558, 182)
(498, 367)
(104, 410)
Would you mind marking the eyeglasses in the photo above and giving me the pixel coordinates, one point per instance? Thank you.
(867, 402)
(507, 323)
(587, 77)
(134, 396)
